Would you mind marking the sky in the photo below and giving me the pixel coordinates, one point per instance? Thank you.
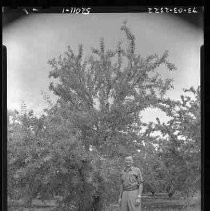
(35, 39)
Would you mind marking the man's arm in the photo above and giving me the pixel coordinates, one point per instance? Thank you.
(140, 189)
(121, 190)
(140, 183)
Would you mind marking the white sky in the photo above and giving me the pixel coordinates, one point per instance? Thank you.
(35, 39)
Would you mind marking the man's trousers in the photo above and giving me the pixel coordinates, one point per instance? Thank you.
(128, 202)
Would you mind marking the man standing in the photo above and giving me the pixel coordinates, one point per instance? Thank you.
(131, 187)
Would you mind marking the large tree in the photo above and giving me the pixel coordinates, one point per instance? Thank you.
(103, 95)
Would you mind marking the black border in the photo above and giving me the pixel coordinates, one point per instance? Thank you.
(202, 123)
(121, 7)
(205, 115)
(4, 131)
(50, 3)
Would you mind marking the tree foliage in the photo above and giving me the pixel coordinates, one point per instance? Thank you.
(104, 94)
(179, 142)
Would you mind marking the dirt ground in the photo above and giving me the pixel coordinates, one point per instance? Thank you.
(149, 203)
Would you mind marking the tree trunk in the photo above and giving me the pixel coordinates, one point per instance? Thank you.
(97, 203)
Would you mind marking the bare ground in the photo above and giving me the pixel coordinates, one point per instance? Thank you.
(149, 203)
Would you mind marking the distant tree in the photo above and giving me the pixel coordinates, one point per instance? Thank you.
(155, 173)
(24, 130)
(179, 145)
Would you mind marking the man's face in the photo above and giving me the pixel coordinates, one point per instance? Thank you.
(128, 161)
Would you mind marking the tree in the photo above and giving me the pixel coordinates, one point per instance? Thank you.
(23, 135)
(179, 145)
(103, 95)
